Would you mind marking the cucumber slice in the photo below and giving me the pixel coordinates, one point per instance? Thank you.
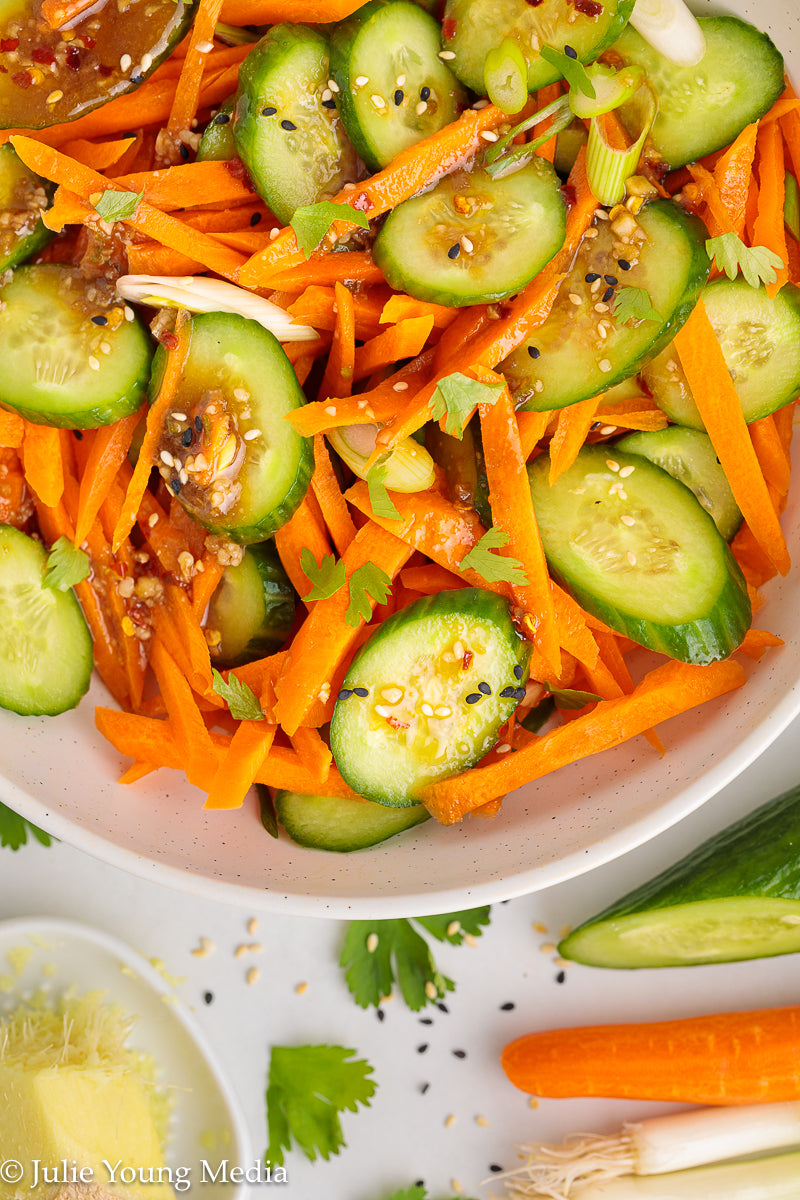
(689, 456)
(704, 107)
(253, 608)
(474, 239)
(760, 340)
(638, 551)
(737, 896)
(579, 351)
(60, 367)
(427, 694)
(286, 127)
(394, 89)
(218, 143)
(341, 824)
(472, 27)
(45, 648)
(45, 79)
(235, 464)
(23, 199)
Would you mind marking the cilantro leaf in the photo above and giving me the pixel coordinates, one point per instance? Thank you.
(494, 568)
(66, 565)
(456, 397)
(241, 700)
(308, 1086)
(634, 304)
(14, 830)
(380, 500)
(570, 698)
(570, 69)
(757, 264)
(312, 221)
(118, 206)
(325, 579)
(367, 580)
(376, 954)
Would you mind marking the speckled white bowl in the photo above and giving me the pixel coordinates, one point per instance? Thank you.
(61, 774)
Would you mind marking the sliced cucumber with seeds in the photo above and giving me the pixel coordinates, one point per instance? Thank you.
(218, 143)
(70, 358)
(45, 647)
(760, 339)
(689, 456)
(23, 199)
(638, 551)
(226, 451)
(580, 350)
(253, 608)
(427, 694)
(472, 27)
(474, 239)
(342, 824)
(394, 89)
(287, 130)
(704, 107)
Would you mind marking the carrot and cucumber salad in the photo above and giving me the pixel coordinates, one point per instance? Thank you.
(378, 376)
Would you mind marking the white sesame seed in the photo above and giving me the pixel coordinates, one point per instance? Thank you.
(466, 244)
(372, 943)
(604, 365)
(443, 711)
(626, 471)
(456, 1186)
(241, 394)
(152, 520)
(575, 298)
(623, 495)
(626, 520)
(503, 748)
(147, 62)
(392, 694)
(301, 989)
(421, 108)
(205, 948)
(612, 465)
(129, 313)
(378, 101)
(383, 710)
(607, 430)
(183, 476)
(360, 80)
(447, 54)
(399, 387)
(427, 709)
(489, 135)
(54, 97)
(273, 233)
(333, 85)
(94, 363)
(327, 95)
(431, 991)
(204, 47)
(331, 410)
(600, 307)
(252, 976)
(251, 435)
(451, 1119)
(105, 348)
(631, 557)
(125, 62)
(538, 386)
(453, 928)
(482, 1121)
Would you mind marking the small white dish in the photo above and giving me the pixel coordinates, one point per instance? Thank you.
(208, 1126)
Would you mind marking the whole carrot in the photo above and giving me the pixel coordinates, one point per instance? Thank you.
(724, 1058)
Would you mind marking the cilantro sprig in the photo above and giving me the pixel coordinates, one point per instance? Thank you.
(308, 1087)
(456, 398)
(325, 578)
(241, 700)
(494, 568)
(14, 830)
(634, 304)
(368, 580)
(571, 698)
(380, 501)
(118, 206)
(757, 263)
(379, 954)
(311, 222)
(66, 565)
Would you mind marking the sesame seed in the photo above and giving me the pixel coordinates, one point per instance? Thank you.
(611, 280)
(54, 97)
(533, 1102)
(198, 424)
(612, 464)
(93, 363)
(534, 351)
(607, 430)
(443, 711)
(186, 437)
(129, 313)
(421, 108)
(392, 694)
(575, 298)
(205, 948)
(489, 135)
(204, 47)
(372, 943)
(252, 976)
(333, 85)
(175, 484)
(251, 435)
(604, 365)
(626, 520)
(273, 233)
(166, 458)
(288, 125)
(456, 1186)
(518, 672)
(327, 94)
(383, 710)
(447, 54)
(451, 1119)
(592, 277)
(601, 307)
(608, 294)
(241, 394)
(454, 250)
(427, 709)
(507, 693)
(482, 1121)
(400, 387)
(301, 989)
(147, 62)
(422, 1047)
(466, 244)
(399, 96)
(431, 990)
(623, 264)
(268, 111)
(378, 101)
(503, 748)
(453, 928)
(125, 62)
(400, 80)
(360, 80)
(626, 471)
(631, 558)
(152, 520)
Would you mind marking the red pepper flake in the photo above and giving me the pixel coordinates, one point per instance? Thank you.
(73, 58)
(395, 724)
(466, 661)
(449, 28)
(3, 70)
(44, 56)
(533, 3)
(589, 8)
(23, 79)
(8, 44)
(169, 340)
(89, 42)
(569, 193)
(105, 71)
(362, 203)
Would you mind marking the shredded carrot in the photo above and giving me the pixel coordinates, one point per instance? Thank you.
(188, 185)
(58, 12)
(331, 501)
(12, 429)
(768, 228)
(546, 95)
(573, 425)
(187, 93)
(99, 155)
(187, 724)
(718, 402)
(42, 462)
(178, 626)
(338, 378)
(772, 456)
(732, 174)
(403, 340)
(304, 531)
(109, 449)
(236, 773)
(205, 583)
(313, 752)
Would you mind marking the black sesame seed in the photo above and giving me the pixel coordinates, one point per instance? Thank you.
(519, 693)
(344, 694)
(442, 1007)
(459, 1054)
(474, 697)
(360, 691)
(485, 688)
(331, 103)
(426, 1020)
(570, 52)
(186, 437)
(422, 1048)
(508, 1006)
(255, 219)
(454, 250)
(198, 424)
(612, 279)
(423, 1087)
(561, 976)
(420, 1183)
(425, 93)
(221, 119)
(99, 320)
(176, 486)
(608, 295)
(137, 79)
(184, 152)
(591, 277)
(507, 693)
(380, 1014)
(534, 351)
(288, 125)
(269, 111)
(624, 264)
(495, 1168)
(208, 997)
(76, 433)
(518, 672)
(399, 96)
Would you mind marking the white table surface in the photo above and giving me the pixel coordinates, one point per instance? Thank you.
(405, 1135)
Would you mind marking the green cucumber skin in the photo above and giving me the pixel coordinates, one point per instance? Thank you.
(279, 600)
(218, 143)
(468, 603)
(709, 637)
(755, 858)
(340, 824)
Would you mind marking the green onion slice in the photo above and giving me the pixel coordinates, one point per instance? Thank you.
(496, 162)
(612, 88)
(607, 168)
(505, 76)
(791, 206)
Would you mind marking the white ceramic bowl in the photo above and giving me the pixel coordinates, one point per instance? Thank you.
(61, 774)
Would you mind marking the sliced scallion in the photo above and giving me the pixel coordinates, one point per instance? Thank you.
(505, 76)
(671, 29)
(607, 166)
(409, 467)
(497, 162)
(612, 88)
